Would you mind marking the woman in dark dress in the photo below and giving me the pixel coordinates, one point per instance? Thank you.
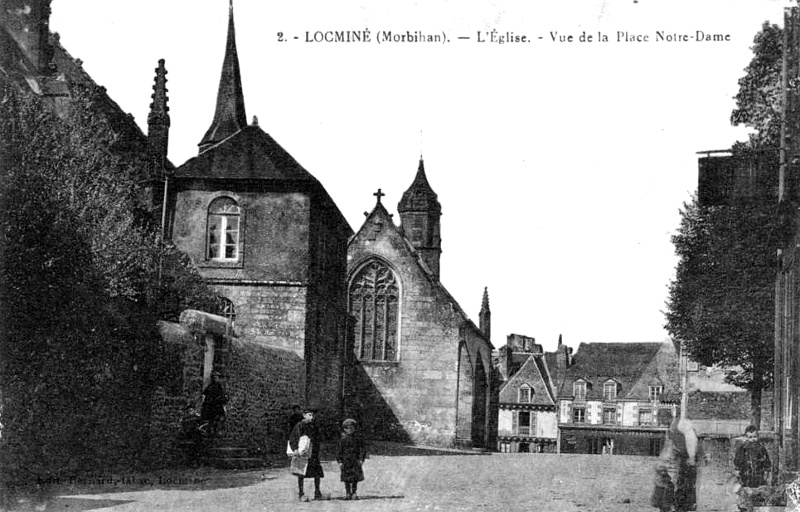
(313, 467)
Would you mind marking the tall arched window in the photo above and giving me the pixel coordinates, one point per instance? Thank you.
(374, 301)
(223, 229)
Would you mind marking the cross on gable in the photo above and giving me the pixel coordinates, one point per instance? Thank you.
(379, 194)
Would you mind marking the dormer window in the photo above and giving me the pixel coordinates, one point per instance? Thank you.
(579, 389)
(524, 395)
(656, 391)
(610, 390)
(223, 230)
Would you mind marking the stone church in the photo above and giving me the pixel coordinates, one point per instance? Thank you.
(423, 370)
(353, 324)
(264, 233)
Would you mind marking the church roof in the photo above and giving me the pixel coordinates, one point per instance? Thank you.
(250, 154)
(419, 196)
(229, 115)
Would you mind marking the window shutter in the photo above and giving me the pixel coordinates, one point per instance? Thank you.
(533, 423)
(515, 422)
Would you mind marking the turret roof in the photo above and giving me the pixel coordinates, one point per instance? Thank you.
(419, 196)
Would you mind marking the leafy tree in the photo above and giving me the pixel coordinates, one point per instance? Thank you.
(82, 284)
(721, 304)
(722, 301)
(758, 102)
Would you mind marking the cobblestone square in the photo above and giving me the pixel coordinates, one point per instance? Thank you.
(457, 482)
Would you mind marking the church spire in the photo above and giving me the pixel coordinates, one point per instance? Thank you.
(158, 119)
(420, 211)
(485, 316)
(229, 116)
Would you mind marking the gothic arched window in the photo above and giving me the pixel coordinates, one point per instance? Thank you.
(223, 229)
(374, 302)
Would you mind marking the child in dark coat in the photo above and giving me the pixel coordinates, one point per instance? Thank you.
(350, 456)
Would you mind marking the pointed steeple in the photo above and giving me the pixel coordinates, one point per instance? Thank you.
(158, 119)
(420, 214)
(420, 196)
(485, 316)
(229, 116)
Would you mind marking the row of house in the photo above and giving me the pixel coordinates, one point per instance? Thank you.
(609, 398)
(604, 398)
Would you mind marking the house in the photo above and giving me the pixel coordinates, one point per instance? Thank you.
(527, 412)
(617, 397)
(422, 370)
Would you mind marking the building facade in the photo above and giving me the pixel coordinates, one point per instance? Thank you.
(617, 398)
(265, 235)
(527, 415)
(422, 370)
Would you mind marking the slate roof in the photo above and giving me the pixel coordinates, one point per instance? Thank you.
(250, 154)
(419, 196)
(532, 373)
(635, 366)
(229, 115)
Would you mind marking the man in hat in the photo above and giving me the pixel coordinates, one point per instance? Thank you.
(212, 411)
(313, 469)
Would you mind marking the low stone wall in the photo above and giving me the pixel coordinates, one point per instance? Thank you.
(261, 383)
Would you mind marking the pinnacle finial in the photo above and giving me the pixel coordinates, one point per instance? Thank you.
(379, 194)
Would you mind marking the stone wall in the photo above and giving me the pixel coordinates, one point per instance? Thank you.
(270, 314)
(719, 405)
(416, 397)
(261, 382)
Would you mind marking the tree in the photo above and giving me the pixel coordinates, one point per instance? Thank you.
(82, 284)
(721, 304)
(722, 301)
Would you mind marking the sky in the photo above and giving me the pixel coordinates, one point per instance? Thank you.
(561, 165)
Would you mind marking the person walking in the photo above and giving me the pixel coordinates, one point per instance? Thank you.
(212, 412)
(676, 472)
(305, 459)
(350, 455)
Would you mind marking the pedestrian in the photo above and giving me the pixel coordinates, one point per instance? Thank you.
(350, 456)
(294, 418)
(305, 460)
(752, 462)
(212, 412)
(191, 435)
(676, 471)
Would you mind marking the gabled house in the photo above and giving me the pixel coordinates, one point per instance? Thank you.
(617, 397)
(527, 419)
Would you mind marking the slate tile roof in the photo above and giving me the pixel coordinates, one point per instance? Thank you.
(532, 373)
(250, 154)
(634, 366)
